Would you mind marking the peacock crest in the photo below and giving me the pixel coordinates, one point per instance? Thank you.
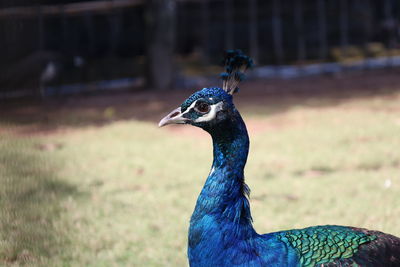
(235, 64)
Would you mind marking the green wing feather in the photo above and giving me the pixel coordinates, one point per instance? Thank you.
(323, 244)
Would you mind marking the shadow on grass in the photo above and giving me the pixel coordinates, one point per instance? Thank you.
(264, 97)
(30, 204)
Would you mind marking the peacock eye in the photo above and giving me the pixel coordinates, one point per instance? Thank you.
(202, 107)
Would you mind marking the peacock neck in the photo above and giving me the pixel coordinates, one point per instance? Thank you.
(231, 147)
(223, 202)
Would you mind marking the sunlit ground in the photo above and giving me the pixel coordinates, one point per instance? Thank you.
(121, 194)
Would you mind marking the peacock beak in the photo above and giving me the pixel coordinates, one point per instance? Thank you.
(174, 117)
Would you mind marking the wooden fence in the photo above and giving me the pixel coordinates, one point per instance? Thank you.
(276, 32)
(296, 30)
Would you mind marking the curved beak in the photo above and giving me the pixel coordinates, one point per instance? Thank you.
(174, 117)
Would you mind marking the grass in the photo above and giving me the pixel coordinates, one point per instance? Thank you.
(121, 194)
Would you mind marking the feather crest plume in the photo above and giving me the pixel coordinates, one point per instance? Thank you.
(235, 64)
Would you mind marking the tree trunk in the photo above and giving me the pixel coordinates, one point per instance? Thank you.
(160, 23)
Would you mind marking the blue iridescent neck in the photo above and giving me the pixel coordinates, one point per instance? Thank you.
(226, 179)
(223, 202)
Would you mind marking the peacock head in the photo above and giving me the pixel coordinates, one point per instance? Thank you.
(205, 108)
(210, 107)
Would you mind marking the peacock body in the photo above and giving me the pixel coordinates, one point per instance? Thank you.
(221, 232)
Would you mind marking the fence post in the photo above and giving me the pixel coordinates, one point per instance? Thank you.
(40, 27)
(205, 17)
(322, 30)
(228, 8)
(64, 29)
(299, 25)
(344, 26)
(41, 83)
(365, 6)
(253, 29)
(114, 21)
(390, 26)
(277, 31)
(160, 24)
(88, 18)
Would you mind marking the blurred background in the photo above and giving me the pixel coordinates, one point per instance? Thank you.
(66, 47)
(86, 177)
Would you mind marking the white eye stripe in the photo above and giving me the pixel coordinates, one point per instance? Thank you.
(190, 107)
(211, 114)
(206, 117)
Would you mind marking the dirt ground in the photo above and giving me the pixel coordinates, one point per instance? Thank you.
(270, 96)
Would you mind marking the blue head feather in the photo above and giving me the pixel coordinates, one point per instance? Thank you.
(210, 96)
(213, 94)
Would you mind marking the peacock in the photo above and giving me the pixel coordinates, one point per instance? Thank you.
(221, 232)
